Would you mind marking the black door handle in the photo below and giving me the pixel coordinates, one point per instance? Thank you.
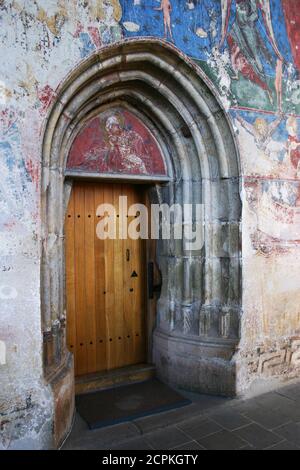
(151, 286)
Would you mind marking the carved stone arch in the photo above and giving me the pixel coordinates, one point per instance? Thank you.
(198, 312)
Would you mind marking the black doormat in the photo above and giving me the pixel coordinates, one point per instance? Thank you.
(127, 402)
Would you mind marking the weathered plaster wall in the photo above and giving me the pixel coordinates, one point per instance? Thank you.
(41, 41)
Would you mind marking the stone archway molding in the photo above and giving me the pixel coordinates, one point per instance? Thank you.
(197, 329)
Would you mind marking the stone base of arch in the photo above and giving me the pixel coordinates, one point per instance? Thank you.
(197, 366)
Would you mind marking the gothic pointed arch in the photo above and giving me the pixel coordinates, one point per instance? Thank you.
(197, 328)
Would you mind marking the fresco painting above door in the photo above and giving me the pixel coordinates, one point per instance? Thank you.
(116, 141)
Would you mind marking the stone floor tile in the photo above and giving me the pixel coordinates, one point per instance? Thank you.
(103, 437)
(267, 418)
(198, 428)
(135, 444)
(284, 445)
(169, 418)
(167, 438)
(292, 392)
(223, 440)
(229, 419)
(257, 436)
(290, 432)
(272, 401)
(192, 445)
(243, 406)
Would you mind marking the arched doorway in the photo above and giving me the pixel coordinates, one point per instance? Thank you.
(197, 327)
(113, 162)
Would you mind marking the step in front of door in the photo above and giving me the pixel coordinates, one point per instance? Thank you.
(114, 378)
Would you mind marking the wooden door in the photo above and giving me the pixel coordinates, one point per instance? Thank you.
(105, 283)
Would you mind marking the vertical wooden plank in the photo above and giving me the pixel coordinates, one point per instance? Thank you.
(118, 323)
(109, 265)
(127, 287)
(128, 284)
(89, 278)
(70, 277)
(139, 287)
(81, 346)
(100, 288)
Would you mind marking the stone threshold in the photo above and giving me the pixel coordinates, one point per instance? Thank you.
(114, 378)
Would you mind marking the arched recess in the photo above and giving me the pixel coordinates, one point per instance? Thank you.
(197, 327)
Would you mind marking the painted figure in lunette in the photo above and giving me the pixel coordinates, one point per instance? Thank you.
(126, 149)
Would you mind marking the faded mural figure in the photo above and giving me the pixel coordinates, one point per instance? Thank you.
(278, 83)
(277, 201)
(262, 131)
(166, 8)
(247, 47)
(259, 37)
(293, 144)
(126, 150)
(116, 142)
(291, 13)
(285, 153)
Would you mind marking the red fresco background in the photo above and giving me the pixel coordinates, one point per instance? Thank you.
(116, 142)
(291, 9)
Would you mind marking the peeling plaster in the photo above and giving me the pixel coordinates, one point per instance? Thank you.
(2, 353)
